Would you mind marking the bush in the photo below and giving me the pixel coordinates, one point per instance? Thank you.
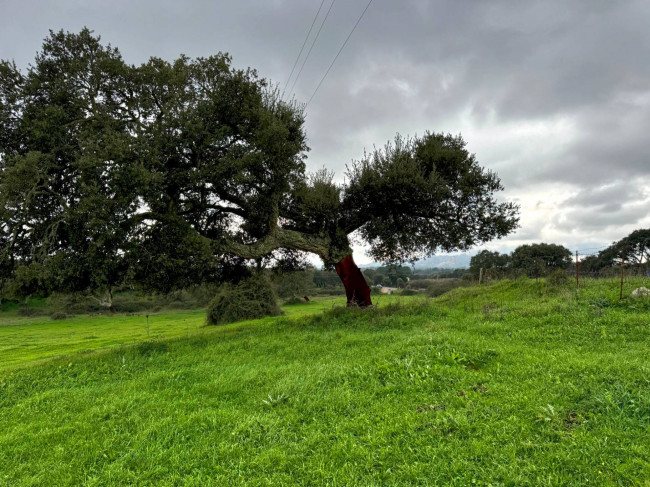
(27, 311)
(58, 316)
(130, 304)
(8, 305)
(250, 299)
(442, 286)
(558, 278)
(75, 303)
(420, 283)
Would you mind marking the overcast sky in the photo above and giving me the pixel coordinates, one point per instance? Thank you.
(552, 95)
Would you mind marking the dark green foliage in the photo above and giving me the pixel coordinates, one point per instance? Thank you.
(172, 256)
(250, 299)
(539, 259)
(189, 298)
(329, 291)
(65, 174)
(633, 249)
(442, 286)
(394, 274)
(558, 278)
(111, 172)
(314, 202)
(592, 264)
(57, 315)
(293, 284)
(488, 260)
(29, 311)
(130, 302)
(372, 276)
(326, 279)
(74, 303)
(438, 273)
(399, 276)
(175, 173)
(29, 280)
(420, 283)
(421, 195)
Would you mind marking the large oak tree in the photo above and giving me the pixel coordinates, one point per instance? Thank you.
(179, 170)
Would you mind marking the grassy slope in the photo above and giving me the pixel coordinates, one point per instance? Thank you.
(33, 340)
(495, 385)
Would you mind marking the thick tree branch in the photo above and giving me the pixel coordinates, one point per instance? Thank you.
(287, 239)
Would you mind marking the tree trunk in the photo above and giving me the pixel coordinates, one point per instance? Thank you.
(356, 289)
(106, 300)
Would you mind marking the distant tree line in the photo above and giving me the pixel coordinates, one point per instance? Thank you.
(633, 250)
(540, 259)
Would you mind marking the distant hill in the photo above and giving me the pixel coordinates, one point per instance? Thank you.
(455, 261)
(452, 261)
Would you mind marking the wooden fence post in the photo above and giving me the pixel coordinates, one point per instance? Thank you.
(577, 272)
(622, 273)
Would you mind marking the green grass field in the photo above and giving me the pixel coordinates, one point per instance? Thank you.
(33, 340)
(513, 383)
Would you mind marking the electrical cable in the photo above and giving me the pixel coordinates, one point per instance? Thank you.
(338, 53)
(312, 46)
(594, 248)
(301, 49)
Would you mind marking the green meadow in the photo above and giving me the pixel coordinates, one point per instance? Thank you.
(511, 383)
(33, 340)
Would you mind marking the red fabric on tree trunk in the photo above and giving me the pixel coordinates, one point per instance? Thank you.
(356, 289)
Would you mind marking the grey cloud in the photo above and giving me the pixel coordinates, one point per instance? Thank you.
(473, 67)
(594, 219)
(609, 198)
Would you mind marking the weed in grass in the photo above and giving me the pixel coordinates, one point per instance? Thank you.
(273, 401)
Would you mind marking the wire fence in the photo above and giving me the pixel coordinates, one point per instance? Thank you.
(554, 267)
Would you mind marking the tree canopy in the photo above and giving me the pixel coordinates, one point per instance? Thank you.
(486, 259)
(537, 259)
(174, 172)
(633, 249)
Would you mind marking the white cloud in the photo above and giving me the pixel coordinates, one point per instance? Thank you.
(553, 96)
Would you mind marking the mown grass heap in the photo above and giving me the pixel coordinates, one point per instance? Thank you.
(248, 300)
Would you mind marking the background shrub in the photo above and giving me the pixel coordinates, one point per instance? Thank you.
(442, 286)
(28, 311)
(250, 299)
(558, 278)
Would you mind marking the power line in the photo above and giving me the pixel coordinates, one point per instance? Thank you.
(302, 48)
(312, 46)
(593, 248)
(337, 54)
